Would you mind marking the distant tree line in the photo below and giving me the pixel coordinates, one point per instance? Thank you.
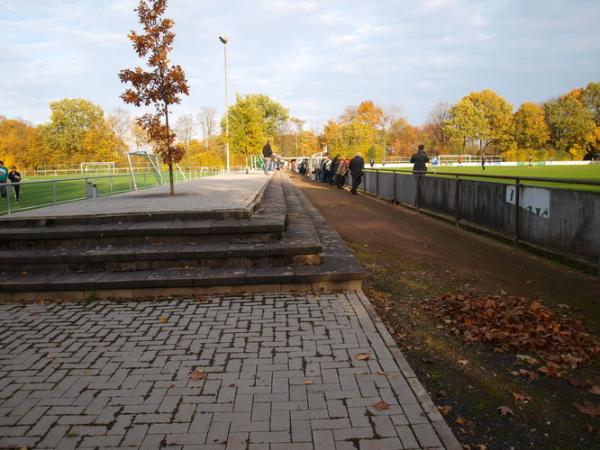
(562, 128)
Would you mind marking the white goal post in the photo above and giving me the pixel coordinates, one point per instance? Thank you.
(457, 159)
(97, 167)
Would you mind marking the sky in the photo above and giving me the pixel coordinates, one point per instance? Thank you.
(314, 57)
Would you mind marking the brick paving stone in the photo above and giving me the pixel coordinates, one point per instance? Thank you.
(280, 375)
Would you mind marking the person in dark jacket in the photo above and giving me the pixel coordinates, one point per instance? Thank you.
(15, 179)
(357, 166)
(267, 152)
(419, 160)
(334, 167)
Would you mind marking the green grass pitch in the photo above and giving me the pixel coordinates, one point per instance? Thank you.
(587, 172)
(47, 190)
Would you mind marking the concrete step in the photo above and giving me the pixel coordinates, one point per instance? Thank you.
(310, 254)
(100, 218)
(217, 254)
(266, 224)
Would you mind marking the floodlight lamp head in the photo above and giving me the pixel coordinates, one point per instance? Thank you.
(223, 39)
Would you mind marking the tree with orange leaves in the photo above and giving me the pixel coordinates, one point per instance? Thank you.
(160, 86)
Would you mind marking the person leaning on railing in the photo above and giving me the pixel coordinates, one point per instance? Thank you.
(420, 160)
(15, 179)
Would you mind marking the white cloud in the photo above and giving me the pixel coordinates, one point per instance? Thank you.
(291, 6)
(314, 56)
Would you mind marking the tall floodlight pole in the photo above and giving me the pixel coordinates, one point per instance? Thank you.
(223, 39)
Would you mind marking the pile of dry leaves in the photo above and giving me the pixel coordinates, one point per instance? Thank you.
(519, 325)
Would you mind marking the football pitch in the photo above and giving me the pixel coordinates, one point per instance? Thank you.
(38, 191)
(590, 172)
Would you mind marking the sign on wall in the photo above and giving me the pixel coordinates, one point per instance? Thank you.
(533, 200)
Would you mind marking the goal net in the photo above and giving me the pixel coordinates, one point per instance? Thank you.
(459, 159)
(97, 167)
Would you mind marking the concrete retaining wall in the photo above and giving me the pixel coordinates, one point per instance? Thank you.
(562, 220)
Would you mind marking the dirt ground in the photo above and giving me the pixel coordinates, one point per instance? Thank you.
(409, 258)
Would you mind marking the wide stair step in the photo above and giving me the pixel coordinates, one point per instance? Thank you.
(285, 243)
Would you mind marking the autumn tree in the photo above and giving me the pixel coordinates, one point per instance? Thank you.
(358, 129)
(254, 119)
(531, 130)
(464, 122)
(184, 129)
(198, 155)
(139, 135)
(591, 100)
(208, 123)
(497, 115)
(403, 137)
(436, 125)
(308, 142)
(246, 127)
(570, 124)
(120, 122)
(21, 143)
(272, 112)
(78, 132)
(161, 85)
(298, 129)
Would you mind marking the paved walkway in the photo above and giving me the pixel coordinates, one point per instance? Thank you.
(282, 371)
(219, 192)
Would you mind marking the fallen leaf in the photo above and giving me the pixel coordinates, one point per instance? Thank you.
(163, 319)
(444, 409)
(554, 343)
(520, 397)
(528, 359)
(588, 409)
(595, 390)
(381, 406)
(576, 382)
(563, 306)
(505, 410)
(463, 362)
(362, 356)
(460, 421)
(72, 434)
(24, 274)
(197, 374)
(308, 381)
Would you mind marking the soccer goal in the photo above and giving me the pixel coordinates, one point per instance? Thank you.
(149, 158)
(473, 159)
(97, 167)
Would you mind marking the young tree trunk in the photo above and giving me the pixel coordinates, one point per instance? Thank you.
(171, 185)
(169, 155)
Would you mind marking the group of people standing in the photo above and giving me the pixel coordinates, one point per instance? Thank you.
(335, 170)
(12, 176)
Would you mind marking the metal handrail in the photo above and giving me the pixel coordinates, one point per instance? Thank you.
(60, 180)
(88, 180)
(502, 177)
